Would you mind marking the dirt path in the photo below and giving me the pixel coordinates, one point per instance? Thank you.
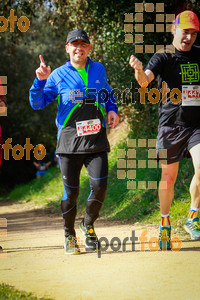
(36, 262)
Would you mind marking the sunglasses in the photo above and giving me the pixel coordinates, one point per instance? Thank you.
(81, 44)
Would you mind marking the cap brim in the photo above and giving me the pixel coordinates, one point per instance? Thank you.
(75, 39)
(189, 26)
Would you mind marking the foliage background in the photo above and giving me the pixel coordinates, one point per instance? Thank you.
(50, 22)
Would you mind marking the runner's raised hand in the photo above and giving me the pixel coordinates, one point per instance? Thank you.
(142, 77)
(43, 71)
(135, 63)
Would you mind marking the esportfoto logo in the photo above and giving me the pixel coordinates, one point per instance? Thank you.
(161, 23)
(23, 22)
(128, 163)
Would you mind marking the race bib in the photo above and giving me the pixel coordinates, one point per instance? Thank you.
(191, 95)
(88, 127)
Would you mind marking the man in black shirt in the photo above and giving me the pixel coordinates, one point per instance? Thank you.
(179, 116)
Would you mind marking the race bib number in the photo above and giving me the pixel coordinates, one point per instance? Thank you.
(191, 95)
(88, 127)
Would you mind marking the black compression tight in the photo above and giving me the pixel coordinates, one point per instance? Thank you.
(97, 167)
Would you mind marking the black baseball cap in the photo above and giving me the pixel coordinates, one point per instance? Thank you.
(77, 34)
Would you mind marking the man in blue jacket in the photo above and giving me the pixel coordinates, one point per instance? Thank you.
(83, 92)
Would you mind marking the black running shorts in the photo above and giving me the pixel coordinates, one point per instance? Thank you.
(174, 143)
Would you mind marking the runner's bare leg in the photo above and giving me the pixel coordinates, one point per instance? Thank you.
(166, 186)
(195, 183)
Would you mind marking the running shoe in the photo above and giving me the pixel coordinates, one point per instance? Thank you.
(165, 237)
(71, 246)
(91, 240)
(193, 228)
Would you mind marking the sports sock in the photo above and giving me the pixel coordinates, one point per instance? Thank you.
(165, 221)
(193, 213)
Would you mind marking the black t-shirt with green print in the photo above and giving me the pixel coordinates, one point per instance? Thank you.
(178, 69)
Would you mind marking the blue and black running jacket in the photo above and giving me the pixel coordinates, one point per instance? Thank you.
(76, 103)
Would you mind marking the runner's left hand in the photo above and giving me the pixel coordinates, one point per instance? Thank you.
(113, 119)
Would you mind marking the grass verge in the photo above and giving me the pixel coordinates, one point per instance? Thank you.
(7, 292)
